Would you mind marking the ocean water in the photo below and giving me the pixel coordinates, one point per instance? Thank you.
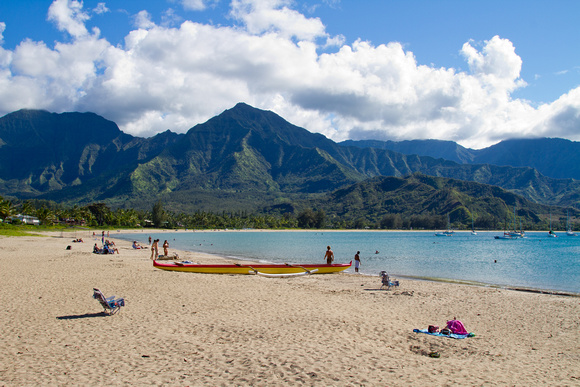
(536, 261)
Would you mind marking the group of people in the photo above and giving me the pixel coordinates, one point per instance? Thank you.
(329, 256)
(108, 248)
(155, 249)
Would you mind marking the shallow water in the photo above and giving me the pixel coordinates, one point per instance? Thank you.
(536, 261)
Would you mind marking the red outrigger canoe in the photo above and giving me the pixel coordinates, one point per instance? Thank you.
(280, 269)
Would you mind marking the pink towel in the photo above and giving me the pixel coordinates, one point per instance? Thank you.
(456, 327)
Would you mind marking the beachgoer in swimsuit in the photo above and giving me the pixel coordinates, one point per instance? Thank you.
(329, 255)
(356, 261)
(155, 250)
(165, 247)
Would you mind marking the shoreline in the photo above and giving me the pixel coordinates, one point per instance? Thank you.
(540, 290)
(319, 330)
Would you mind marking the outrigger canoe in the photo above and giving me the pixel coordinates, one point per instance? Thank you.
(282, 269)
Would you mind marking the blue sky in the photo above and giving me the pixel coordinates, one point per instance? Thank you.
(475, 72)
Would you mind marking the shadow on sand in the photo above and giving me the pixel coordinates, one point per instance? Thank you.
(86, 315)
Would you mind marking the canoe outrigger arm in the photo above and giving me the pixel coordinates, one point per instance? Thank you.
(286, 274)
(302, 267)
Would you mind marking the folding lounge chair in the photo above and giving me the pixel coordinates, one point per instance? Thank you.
(386, 281)
(110, 304)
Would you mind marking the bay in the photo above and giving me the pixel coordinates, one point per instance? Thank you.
(536, 262)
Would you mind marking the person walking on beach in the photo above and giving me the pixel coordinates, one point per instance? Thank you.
(165, 247)
(329, 255)
(356, 261)
(155, 250)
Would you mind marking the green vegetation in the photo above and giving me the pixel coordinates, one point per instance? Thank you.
(247, 159)
(11, 230)
(417, 202)
(249, 168)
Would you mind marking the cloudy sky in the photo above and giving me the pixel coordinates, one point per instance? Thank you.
(474, 72)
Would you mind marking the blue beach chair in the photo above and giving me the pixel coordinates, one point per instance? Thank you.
(111, 305)
(386, 280)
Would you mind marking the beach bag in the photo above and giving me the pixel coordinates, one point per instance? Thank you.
(433, 329)
(456, 327)
(445, 331)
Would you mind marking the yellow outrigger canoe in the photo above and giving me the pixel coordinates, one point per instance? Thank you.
(281, 269)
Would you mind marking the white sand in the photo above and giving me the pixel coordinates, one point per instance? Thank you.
(321, 330)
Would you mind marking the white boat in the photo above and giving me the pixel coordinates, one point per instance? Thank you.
(569, 231)
(512, 234)
(448, 232)
(505, 236)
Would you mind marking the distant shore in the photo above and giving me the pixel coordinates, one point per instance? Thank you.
(202, 329)
(162, 230)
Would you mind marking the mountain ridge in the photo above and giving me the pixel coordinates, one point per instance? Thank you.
(241, 153)
(552, 157)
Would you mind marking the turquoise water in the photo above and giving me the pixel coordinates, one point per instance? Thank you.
(535, 262)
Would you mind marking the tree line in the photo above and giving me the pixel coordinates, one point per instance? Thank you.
(100, 215)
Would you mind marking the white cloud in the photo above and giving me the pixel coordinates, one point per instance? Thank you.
(2, 29)
(175, 77)
(263, 16)
(143, 20)
(194, 5)
(498, 64)
(170, 18)
(69, 17)
(100, 9)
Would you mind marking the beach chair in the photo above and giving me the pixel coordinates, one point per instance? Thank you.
(386, 280)
(111, 305)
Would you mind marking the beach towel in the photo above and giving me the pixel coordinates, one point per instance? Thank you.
(452, 335)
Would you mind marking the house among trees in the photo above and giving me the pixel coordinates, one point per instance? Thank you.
(27, 219)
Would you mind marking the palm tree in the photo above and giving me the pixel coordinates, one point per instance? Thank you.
(6, 208)
(45, 216)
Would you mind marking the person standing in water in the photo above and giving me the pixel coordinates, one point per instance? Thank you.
(329, 255)
(356, 261)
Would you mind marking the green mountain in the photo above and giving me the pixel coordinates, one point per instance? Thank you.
(46, 152)
(426, 199)
(243, 159)
(437, 149)
(552, 157)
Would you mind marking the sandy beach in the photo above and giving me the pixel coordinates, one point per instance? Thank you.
(189, 329)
